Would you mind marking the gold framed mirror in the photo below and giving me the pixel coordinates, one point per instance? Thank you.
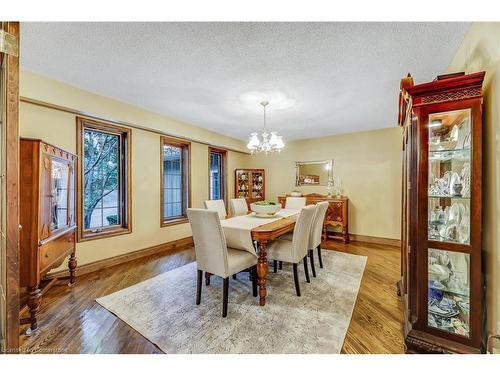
(314, 173)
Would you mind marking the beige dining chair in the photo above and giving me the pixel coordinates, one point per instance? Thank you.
(217, 205)
(316, 234)
(296, 250)
(295, 202)
(239, 206)
(214, 257)
(314, 238)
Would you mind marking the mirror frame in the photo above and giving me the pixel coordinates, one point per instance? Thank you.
(329, 182)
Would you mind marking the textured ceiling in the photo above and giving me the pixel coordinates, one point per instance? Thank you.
(324, 78)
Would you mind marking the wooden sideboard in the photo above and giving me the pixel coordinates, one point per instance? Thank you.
(336, 215)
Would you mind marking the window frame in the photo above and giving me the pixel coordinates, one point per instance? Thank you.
(125, 192)
(223, 153)
(185, 176)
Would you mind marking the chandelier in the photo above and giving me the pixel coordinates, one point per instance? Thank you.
(271, 142)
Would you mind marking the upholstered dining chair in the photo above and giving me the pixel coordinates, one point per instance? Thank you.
(217, 205)
(316, 234)
(296, 250)
(314, 238)
(295, 202)
(214, 257)
(239, 206)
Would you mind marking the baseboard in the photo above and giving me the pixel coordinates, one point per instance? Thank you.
(376, 240)
(167, 247)
(179, 245)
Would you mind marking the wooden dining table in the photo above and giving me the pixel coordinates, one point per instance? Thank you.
(263, 234)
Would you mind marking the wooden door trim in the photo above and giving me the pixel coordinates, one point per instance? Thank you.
(12, 192)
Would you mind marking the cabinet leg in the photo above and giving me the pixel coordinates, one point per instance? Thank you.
(207, 278)
(34, 301)
(345, 234)
(72, 267)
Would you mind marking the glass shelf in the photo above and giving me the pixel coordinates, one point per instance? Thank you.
(450, 155)
(463, 293)
(448, 197)
(448, 304)
(449, 220)
(450, 151)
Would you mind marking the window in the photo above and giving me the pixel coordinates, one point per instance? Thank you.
(175, 184)
(217, 174)
(104, 179)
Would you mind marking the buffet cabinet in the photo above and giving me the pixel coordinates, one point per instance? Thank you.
(336, 215)
(250, 184)
(47, 218)
(441, 285)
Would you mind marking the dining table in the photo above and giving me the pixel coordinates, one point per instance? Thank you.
(243, 232)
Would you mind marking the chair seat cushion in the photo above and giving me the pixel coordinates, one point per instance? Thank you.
(281, 250)
(239, 260)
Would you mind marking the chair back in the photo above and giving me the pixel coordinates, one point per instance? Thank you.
(301, 232)
(317, 225)
(239, 206)
(217, 205)
(209, 241)
(295, 202)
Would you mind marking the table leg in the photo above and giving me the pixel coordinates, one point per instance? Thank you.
(72, 266)
(262, 269)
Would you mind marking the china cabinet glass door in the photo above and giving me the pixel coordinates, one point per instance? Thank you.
(243, 182)
(257, 185)
(60, 185)
(449, 221)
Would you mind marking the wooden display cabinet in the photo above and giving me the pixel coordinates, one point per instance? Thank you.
(250, 184)
(47, 217)
(441, 284)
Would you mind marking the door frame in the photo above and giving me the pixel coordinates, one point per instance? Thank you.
(11, 111)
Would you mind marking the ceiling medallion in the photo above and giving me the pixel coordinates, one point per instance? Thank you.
(270, 142)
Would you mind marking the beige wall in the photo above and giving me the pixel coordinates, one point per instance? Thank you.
(480, 50)
(368, 165)
(59, 128)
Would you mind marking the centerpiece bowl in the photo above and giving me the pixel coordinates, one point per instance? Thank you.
(265, 208)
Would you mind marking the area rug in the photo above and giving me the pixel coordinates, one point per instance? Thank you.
(163, 310)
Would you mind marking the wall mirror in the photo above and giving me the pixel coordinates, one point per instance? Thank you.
(314, 173)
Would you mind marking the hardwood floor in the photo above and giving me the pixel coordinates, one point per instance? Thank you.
(71, 322)
(377, 322)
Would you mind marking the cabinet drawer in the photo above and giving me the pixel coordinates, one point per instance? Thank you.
(338, 211)
(52, 253)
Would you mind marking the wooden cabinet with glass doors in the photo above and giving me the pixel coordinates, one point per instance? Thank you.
(47, 217)
(250, 184)
(441, 285)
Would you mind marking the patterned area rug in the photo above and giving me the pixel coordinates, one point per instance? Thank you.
(163, 310)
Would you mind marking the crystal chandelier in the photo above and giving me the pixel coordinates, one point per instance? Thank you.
(270, 141)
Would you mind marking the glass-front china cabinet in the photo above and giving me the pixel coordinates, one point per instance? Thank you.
(47, 218)
(250, 184)
(441, 285)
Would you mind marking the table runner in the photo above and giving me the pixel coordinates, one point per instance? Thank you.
(238, 229)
